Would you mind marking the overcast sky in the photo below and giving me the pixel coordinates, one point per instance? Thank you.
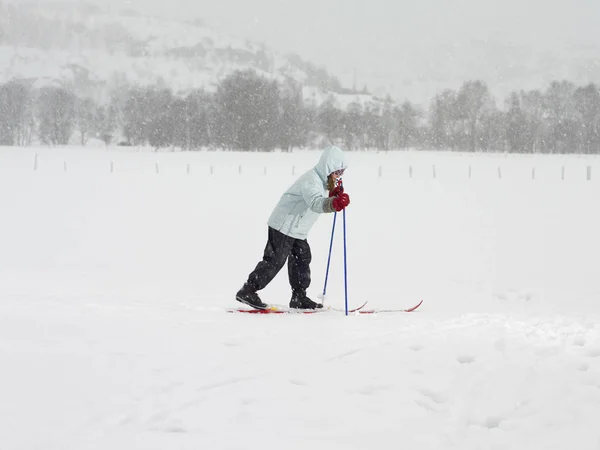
(348, 35)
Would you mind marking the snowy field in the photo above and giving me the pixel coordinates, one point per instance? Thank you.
(116, 268)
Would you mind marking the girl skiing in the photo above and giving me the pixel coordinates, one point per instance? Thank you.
(288, 227)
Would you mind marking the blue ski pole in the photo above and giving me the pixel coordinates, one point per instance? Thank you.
(330, 249)
(329, 257)
(345, 266)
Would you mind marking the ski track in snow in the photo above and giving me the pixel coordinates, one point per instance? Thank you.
(113, 289)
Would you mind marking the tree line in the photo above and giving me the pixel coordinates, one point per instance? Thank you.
(250, 112)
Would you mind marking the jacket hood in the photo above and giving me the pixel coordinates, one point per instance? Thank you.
(331, 160)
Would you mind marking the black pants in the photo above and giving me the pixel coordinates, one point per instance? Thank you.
(280, 248)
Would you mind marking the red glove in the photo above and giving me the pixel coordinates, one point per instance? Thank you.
(336, 191)
(340, 202)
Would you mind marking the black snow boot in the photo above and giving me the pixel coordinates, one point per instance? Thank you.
(248, 296)
(301, 301)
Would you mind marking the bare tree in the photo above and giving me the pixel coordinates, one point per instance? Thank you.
(56, 112)
(473, 102)
(407, 118)
(16, 114)
(559, 108)
(86, 118)
(587, 104)
(250, 105)
(443, 120)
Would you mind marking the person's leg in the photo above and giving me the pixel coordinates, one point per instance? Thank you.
(299, 266)
(299, 274)
(275, 254)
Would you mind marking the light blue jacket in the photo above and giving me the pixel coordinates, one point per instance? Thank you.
(300, 206)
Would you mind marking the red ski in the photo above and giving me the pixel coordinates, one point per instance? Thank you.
(376, 311)
(275, 309)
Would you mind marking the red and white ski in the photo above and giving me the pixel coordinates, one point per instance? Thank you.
(276, 309)
(376, 311)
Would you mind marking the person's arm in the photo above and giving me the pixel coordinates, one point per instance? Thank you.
(317, 202)
(312, 193)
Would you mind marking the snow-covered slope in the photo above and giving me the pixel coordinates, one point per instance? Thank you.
(93, 48)
(113, 290)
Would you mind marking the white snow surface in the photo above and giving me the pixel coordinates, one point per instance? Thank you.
(114, 287)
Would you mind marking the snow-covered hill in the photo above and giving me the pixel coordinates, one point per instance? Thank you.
(94, 49)
(99, 47)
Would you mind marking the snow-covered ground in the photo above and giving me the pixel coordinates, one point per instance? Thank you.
(114, 286)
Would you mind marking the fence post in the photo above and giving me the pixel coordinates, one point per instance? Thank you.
(533, 173)
(157, 170)
(35, 162)
(499, 173)
(434, 175)
(589, 173)
(469, 171)
(112, 166)
(562, 176)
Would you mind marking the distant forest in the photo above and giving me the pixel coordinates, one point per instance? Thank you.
(252, 113)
